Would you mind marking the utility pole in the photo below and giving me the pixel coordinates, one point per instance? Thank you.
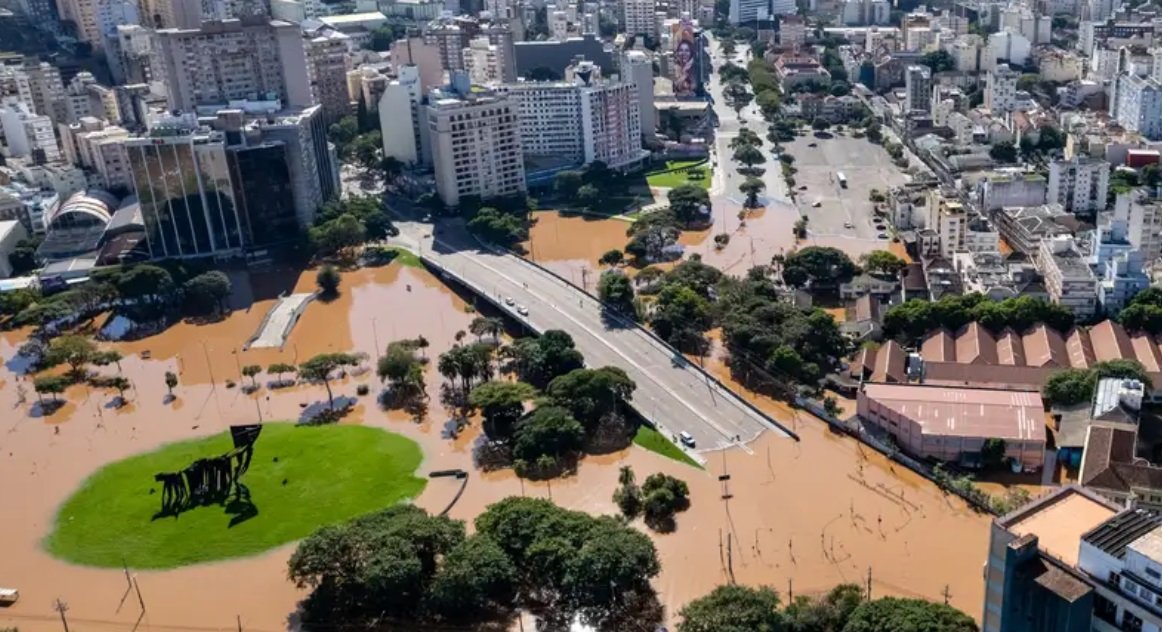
(869, 580)
(62, 608)
(947, 594)
(238, 617)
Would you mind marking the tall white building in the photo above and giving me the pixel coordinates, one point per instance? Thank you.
(1079, 185)
(400, 117)
(581, 119)
(1137, 104)
(27, 133)
(1146, 229)
(746, 12)
(476, 146)
(96, 19)
(1068, 279)
(1000, 92)
(637, 68)
(44, 79)
(482, 61)
(234, 60)
(14, 85)
(638, 17)
(918, 87)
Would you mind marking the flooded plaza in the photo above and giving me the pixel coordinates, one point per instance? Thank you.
(801, 516)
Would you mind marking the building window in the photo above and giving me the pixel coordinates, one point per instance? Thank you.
(1151, 573)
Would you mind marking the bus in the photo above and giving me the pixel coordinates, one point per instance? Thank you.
(841, 178)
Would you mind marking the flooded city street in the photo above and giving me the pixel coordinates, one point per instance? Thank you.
(801, 516)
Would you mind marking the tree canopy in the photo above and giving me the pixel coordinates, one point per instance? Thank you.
(882, 262)
(539, 360)
(1076, 386)
(502, 404)
(915, 319)
(591, 394)
(687, 202)
(733, 608)
(891, 614)
(616, 290)
(498, 227)
(818, 266)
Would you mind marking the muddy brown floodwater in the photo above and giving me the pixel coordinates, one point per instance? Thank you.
(570, 245)
(801, 516)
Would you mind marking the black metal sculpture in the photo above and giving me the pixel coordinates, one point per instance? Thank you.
(212, 480)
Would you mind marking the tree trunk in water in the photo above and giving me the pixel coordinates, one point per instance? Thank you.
(330, 397)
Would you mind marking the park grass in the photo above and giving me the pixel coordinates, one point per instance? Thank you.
(653, 441)
(674, 174)
(405, 257)
(300, 479)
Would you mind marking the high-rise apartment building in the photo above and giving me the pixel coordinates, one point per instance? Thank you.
(582, 119)
(14, 86)
(1145, 230)
(172, 14)
(96, 19)
(400, 117)
(1079, 185)
(452, 35)
(233, 60)
(638, 17)
(476, 146)
(27, 134)
(1137, 104)
(328, 63)
(1000, 94)
(44, 79)
(481, 61)
(637, 68)
(918, 88)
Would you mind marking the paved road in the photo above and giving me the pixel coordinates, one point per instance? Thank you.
(670, 391)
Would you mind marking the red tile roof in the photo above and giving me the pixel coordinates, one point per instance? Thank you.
(975, 345)
(1045, 347)
(1079, 348)
(1010, 348)
(939, 347)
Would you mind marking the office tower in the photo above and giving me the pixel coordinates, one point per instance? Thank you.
(233, 60)
(188, 203)
(261, 182)
(918, 87)
(313, 165)
(476, 148)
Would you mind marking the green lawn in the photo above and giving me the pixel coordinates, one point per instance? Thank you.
(675, 172)
(300, 478)
(406, 257)
(653, 441)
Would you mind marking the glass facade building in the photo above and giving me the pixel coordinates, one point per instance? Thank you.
(188, 203)
(263, 192)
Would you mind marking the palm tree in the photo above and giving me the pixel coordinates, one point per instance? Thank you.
(625, 476)
(484, 326)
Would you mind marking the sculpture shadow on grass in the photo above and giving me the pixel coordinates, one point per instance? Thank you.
(240, 507)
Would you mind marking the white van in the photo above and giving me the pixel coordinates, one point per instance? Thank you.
(686, 438)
